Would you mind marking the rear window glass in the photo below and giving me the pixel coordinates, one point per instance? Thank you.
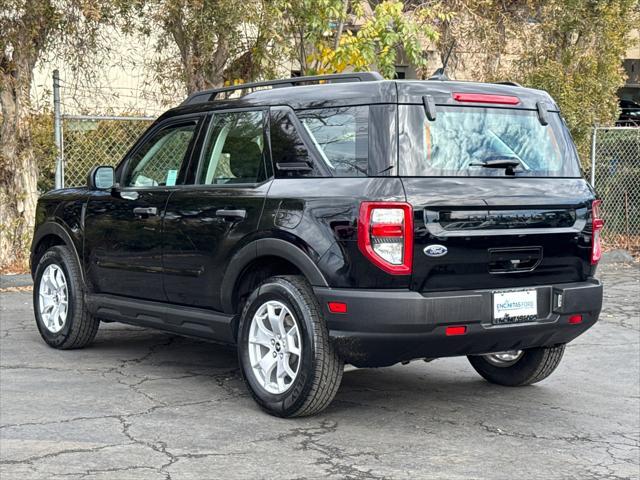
(463, 139)
(340, 136)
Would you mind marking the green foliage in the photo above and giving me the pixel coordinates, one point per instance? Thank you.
(575, 53)
(309, 26)
(44, 149)
(216, 41)
(379, 41)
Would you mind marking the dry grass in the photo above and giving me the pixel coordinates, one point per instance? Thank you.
(15, 268)
(26, 288)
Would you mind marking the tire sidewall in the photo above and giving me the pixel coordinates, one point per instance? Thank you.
(55, 257)
(285, 403)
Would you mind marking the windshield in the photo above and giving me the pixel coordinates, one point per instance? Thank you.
(472, 141)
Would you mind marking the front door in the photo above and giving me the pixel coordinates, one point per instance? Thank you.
(205, 224)
(123, 228)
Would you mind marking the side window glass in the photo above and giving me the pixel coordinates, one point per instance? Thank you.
(341, 137)
(287, 146)
(234, 150)
(159, 160)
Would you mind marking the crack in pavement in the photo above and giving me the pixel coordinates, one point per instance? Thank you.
(37, 458)
(331, 458)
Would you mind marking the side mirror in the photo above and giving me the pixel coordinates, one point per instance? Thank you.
(101, 178)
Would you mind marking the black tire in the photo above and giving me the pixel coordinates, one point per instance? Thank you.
(80, 327)
(320, 370)
(534, 365)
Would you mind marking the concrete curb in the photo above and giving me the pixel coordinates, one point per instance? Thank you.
(12, 281)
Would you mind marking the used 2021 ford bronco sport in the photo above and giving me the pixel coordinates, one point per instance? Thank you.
(335, 219)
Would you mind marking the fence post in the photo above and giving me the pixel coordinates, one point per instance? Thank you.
(593, 157)
(57, 131)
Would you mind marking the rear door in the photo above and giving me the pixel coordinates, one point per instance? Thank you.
(207, 222)
(479, 227)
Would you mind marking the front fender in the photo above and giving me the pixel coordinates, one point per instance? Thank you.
(52, 228)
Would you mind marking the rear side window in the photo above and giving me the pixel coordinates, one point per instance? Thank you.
(461, 141)
(234, 149)
(340, 136)
(288, 147)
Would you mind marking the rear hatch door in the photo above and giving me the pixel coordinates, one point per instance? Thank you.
(497, 196)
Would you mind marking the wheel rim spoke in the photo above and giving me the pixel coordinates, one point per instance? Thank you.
(287, 368)
(267, 364)
(292, 339)
(261, 337)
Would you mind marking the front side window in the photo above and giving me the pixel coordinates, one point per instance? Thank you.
(466, 141)
(340, 136)
(234, 150)
(158, 161)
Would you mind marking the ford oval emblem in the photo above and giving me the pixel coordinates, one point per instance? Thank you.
(435, 250)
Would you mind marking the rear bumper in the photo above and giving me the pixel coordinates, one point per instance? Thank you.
(383, 327)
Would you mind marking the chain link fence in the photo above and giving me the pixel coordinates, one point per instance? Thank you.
(88, 141)
(615, 174)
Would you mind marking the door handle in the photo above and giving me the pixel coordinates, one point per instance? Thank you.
(148, 211)
(239, 214)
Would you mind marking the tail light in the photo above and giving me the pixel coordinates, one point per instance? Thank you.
(385, 235)
(597, 223)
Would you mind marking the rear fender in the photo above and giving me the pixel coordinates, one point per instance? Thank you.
(273, 247)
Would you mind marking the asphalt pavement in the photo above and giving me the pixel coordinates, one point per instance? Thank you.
(142, 404)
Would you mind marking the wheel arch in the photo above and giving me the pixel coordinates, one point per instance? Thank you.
(48, 235)
(271, 256)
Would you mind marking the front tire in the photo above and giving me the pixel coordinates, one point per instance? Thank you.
(58, 301)
(528, 367)
(286, 357)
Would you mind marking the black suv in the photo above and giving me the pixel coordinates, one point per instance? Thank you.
(335, 219)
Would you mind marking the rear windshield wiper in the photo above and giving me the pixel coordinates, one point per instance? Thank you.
(507, 162)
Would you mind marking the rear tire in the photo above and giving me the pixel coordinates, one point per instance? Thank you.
(534, 365)
(310, 378)
(58, 301)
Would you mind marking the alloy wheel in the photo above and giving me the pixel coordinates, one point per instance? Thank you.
(53, 298)
(504, 359)
(275, 347)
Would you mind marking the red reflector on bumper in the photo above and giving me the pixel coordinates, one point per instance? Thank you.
(337, 307)
(575, 319)
(458, 330)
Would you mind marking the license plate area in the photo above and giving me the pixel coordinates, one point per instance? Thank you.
(515, 306)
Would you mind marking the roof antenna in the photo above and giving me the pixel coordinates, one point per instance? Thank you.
(440, 74)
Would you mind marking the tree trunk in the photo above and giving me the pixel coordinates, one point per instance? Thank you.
(345, 9)
(18, 167)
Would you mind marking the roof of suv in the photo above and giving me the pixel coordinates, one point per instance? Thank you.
(369, 92)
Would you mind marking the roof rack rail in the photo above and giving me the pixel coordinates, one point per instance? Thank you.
(210, 95)
(507, 82)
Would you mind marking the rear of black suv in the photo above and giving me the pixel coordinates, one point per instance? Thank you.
(359, 221)
(495, 237)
